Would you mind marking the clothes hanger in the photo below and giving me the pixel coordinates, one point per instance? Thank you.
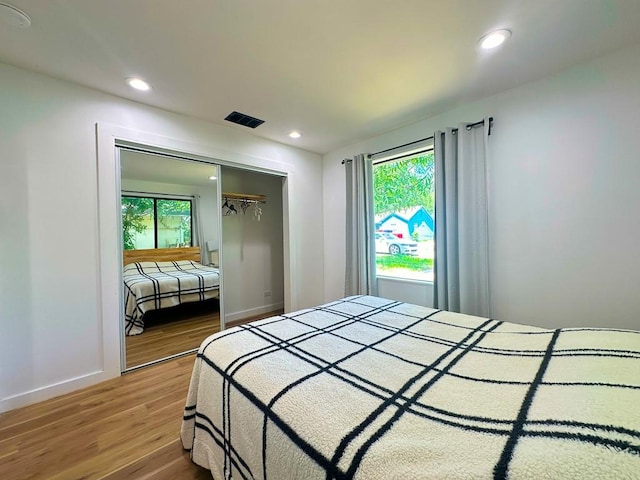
(230, 208)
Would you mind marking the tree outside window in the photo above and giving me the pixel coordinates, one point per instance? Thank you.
(404, 199)
(149, 222)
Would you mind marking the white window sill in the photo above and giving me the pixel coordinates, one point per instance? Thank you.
(411, 281)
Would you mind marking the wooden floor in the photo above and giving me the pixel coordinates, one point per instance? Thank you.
(127, 427)
(172, 331)
(176, 330)
(124, 428)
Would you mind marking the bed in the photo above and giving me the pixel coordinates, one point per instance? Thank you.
(371, 388)
(160, 278)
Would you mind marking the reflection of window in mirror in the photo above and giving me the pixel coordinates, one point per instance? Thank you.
(149, 222)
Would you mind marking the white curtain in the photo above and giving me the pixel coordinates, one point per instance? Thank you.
(360, 252)
(197, 231)
(461, 220)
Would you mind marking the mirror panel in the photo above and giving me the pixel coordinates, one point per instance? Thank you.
(170, 217)
(253, 241)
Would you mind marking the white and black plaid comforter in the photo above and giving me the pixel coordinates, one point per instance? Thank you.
(155, 285)
(369, 388)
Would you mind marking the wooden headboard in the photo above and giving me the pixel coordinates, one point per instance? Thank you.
(161, 255)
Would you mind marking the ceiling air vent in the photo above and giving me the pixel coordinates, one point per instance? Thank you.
(245, 120)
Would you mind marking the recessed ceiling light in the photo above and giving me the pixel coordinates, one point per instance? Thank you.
(494, 39)
(138, 84)
(14, 17)
(295, 134)
(213, 177)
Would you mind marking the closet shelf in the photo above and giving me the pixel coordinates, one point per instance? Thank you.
(242, 201)
(249, 197)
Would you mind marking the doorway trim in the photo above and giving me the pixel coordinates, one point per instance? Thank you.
(108, 140)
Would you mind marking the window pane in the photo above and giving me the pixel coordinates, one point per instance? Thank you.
(137, 223)
(174, 223)
(404, 212)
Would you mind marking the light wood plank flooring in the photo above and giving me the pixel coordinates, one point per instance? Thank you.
(124, 428)
(175, 330)
(171, 332)
(127, 427)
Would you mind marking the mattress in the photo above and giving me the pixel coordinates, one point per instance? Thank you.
(155, 285)
(371, 388)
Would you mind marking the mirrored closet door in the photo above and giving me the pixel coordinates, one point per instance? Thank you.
(171, 278)
(253, 241)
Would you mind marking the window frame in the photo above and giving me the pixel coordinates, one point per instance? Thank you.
(160, 196)
(396, 155)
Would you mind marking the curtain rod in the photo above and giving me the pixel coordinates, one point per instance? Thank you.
(471, 125)
(161, 196)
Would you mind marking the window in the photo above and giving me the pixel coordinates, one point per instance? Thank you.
(149, 222)
(404, 215)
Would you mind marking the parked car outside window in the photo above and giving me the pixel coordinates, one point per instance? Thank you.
(388, 243)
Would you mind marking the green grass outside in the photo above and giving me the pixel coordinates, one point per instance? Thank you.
(404, 261)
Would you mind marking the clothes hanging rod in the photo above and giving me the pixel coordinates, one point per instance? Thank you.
(471, 125)
(245, 197)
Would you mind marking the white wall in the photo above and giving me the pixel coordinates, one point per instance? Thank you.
(51, 337)
(564, 181)
(411, 291)
(253, 259)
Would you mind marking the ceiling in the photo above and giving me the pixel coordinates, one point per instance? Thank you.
(337, 70)
(160, 169)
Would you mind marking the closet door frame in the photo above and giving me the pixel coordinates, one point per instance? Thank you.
(110, 138)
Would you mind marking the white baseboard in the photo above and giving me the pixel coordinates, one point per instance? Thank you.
(232, 317)
(51, 391)
(71, 385)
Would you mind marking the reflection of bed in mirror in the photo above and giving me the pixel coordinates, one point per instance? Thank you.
(161, 278)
